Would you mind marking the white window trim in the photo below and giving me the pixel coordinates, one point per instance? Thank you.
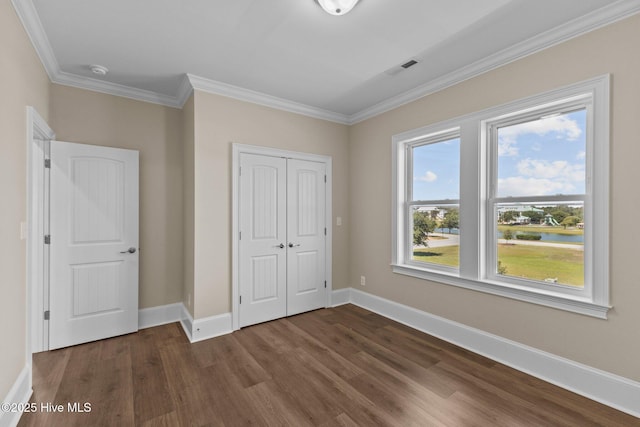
(473, 199)
(429, 139)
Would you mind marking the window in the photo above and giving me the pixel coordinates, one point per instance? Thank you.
(512, 200)
(433, 208)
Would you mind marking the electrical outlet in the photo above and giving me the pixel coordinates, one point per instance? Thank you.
(363, 281)
(339, 221)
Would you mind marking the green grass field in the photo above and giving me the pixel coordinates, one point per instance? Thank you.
(530, 262)
(445, 255)
(542, 229)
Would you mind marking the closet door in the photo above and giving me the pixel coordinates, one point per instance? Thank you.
(306, 236)
(262, 245)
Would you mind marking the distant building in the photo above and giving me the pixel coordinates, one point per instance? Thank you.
(519, 209)
(434, 211)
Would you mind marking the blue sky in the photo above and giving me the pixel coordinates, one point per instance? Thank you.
(543, 157)
(436, 171)
(537, 158)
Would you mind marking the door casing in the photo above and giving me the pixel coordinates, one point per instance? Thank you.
(38, 136)
(237, 149)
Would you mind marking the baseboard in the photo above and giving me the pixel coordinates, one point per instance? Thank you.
(340, 297)
(20, 393)
(161, 315)
(208, 327)
(186, 321)
(610, 389)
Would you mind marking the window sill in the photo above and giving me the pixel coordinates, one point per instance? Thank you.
(548, 299)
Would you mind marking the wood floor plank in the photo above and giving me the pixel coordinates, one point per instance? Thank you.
(343, 366)
(151, 397)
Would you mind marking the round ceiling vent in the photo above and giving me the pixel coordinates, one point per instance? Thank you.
(99, 70)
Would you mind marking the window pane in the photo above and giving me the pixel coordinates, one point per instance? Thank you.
(543, 157)
(436, 235)
(541, 242)
(436, 171)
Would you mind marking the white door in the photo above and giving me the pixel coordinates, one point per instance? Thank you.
(306, 282)
(282, 237)
(94, 243)
(263, 251)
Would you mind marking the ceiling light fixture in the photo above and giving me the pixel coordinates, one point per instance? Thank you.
(337, 7)
(99, 70)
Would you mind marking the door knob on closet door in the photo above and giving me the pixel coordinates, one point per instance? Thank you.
(281, 246)
(131, 250)
(291, 245)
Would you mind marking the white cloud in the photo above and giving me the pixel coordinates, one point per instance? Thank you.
(581, 155)
(557, 169)
(564, 127)
(541, 177)
(526, 186)
(506, 147)
(427, 177)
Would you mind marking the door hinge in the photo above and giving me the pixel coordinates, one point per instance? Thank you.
(47, 163)
(240, 171)
(325, 179)
(239, 235)
(47, 239)
(240, 299)
(325, 231)
(325, 284)
(46, 315)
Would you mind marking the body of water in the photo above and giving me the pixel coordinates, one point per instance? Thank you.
(548, 237)
(553, 237)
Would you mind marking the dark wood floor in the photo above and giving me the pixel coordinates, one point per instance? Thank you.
(342, 366)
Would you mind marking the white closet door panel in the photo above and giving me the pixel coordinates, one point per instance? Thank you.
(262, 252)
(306, 236)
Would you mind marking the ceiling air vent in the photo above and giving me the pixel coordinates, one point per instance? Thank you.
(409, 64)
(399, 68)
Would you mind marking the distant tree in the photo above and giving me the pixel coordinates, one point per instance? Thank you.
(423, 224)
(534, 216)
(570, 221)
(507, 235)
(559, 215)
(451, 219)
(509, 216)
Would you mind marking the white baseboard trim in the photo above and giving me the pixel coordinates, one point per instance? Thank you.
(161, 315)
(340, 297)
(609, 389)
(20, 393)
(208, 327)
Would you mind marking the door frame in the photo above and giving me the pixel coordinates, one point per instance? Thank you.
(236, 150)
(38, 136)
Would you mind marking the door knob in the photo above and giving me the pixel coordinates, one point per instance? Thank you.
(281, 246)
(131, 250)
(291, 245)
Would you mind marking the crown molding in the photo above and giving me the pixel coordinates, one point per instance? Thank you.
(28, 15)
(577, 27)
(248, 95)
(82, 82)
(31, 21)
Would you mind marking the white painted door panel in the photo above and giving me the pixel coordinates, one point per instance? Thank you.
(93, 220)
(262, 272)
(306, 236)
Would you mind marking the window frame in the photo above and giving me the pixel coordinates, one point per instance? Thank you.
(434, 138)
(475, 204)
